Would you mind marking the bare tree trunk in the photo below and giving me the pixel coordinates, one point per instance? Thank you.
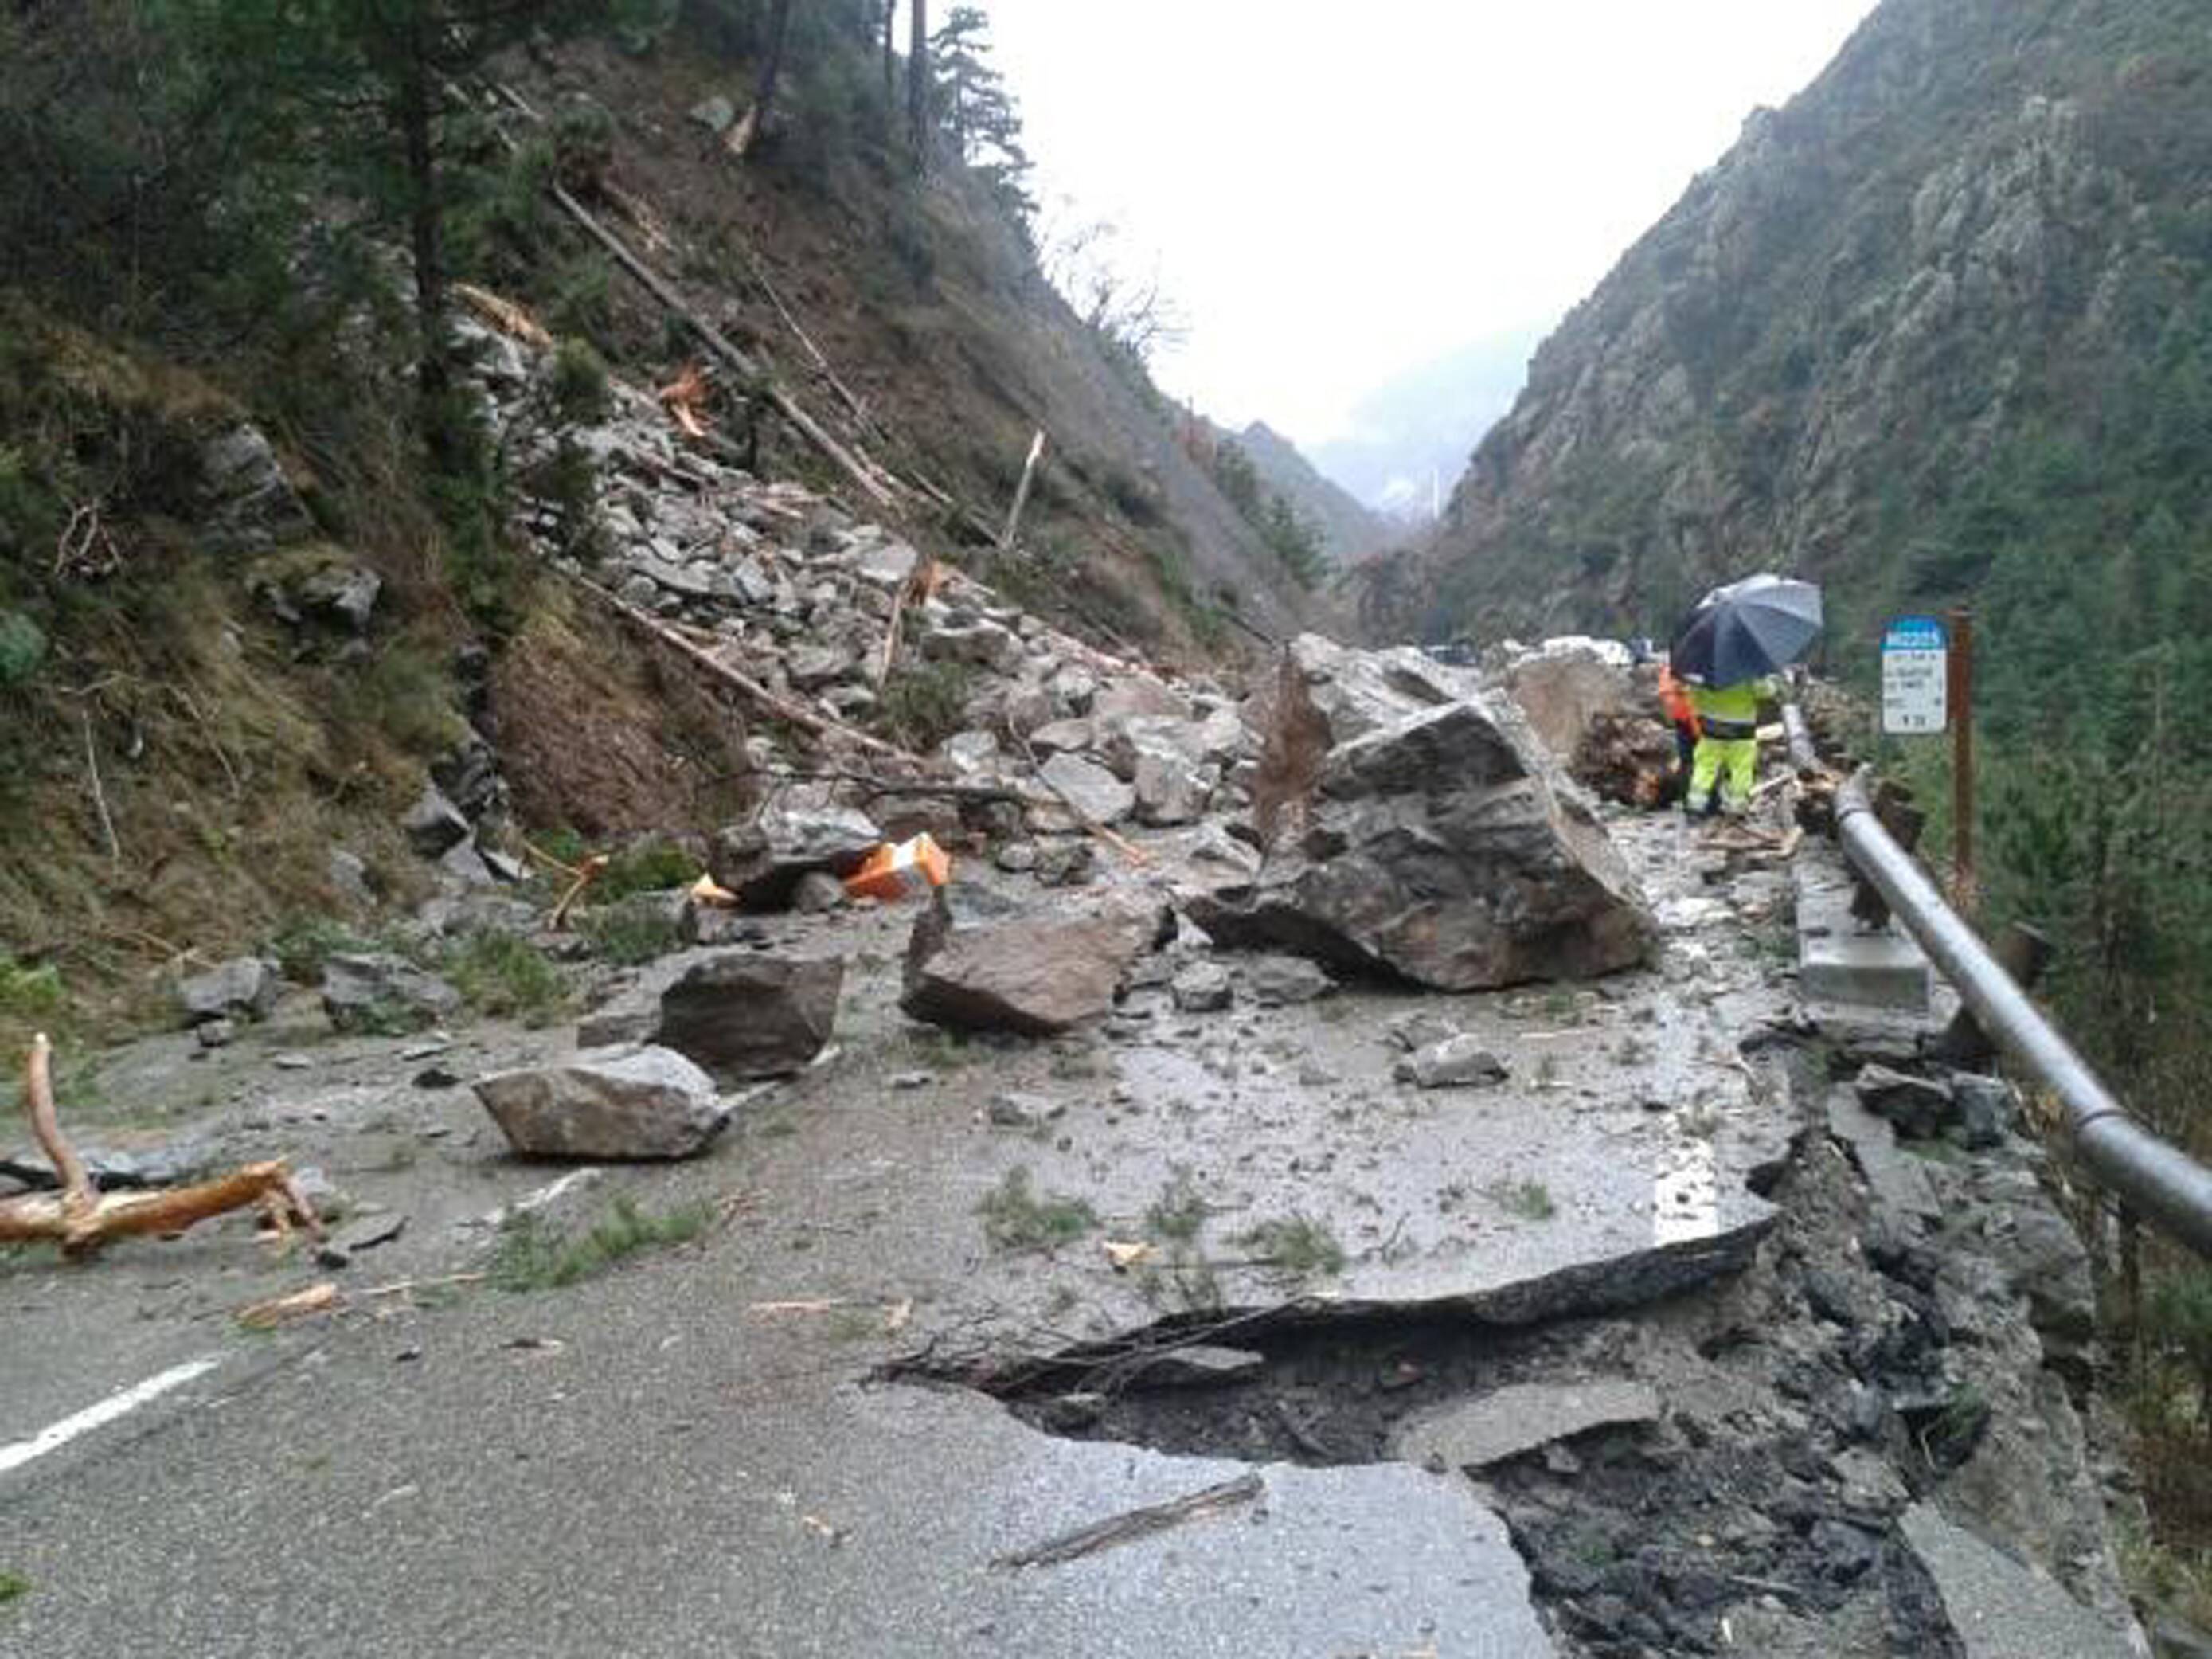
(415, 111)
(890, 68)
(917, 84)
(779, 27)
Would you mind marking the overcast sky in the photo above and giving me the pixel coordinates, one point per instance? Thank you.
(1337, 193)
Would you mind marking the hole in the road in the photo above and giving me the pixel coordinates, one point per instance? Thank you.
(1645, 1531)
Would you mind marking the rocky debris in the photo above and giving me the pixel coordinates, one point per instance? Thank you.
(1988, 1110)
(245, 988)
(981, 961)
(433, 824)
(1999, 1608)
(327, 589)
(818, 891)
(740, 1014)
(468, 774)
(1203, 987)
(113, 1170)
(1921, 1107)
(1596, 715)
(1456, 1062)
(380, 992)
(1474, 1434)
(369, 1233)
(1281, 982)
(717, 114)
(215, 1034)
(624, 1102)
(763, 862)
(250, 500)
(1091, 788)
(1433, 844)
(1899, 1183)
(1065, 863)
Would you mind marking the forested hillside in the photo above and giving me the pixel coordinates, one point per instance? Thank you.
(247, 253)
(1938, 332)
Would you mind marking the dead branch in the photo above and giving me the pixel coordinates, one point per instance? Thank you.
(588, 872)
(917, 587)
(506, 316)
(781, 708)
(80, 1219)
(99, 794)
(1135, 1524)
(1022, 492)
(858, 410)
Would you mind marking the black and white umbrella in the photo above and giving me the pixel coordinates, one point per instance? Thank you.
(1747, 630)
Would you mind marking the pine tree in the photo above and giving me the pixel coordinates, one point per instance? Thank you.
(977, 111)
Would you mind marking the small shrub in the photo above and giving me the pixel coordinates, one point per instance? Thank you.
(22, 648)
(503, 976)
(1297, 1244)
(534, 1256)
(652, 866)
(1531, 1200)
(302, 945)
(1015, 1217)
(578, 385)
(924, 703)
(1178, 1214)
(28, 993)
(629, 937)
(12, 1588)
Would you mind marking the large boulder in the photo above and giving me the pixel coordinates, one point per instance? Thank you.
(384, 994)
(245, 988)
(1597, 715)
(606, 1103)
(981, 962)
(1417, 831)
(762, 861)
(744, 1014)
(1090, 789)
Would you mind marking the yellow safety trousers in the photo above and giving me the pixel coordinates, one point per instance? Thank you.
(1732, 763)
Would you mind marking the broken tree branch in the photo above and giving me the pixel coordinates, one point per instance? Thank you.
(81, 1220)
(99, 794)
(864, 473)
(1135, 1524)
(781, 708)
(1022, 492)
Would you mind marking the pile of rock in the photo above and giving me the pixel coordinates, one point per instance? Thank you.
(1595, 713)
(1417, 829)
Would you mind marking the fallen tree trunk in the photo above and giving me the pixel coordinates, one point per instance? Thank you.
(781, 708)
(79, 1219)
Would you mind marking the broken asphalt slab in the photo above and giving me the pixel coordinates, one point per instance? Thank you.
(522, 1485)
(1999, 1608)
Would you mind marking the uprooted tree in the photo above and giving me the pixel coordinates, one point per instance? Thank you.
(79, 1219)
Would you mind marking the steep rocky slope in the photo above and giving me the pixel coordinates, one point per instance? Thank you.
(1955, 289)
(1349, 531)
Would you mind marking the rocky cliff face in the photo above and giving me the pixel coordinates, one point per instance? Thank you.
(1973, 251)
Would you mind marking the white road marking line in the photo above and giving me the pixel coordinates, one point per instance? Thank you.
(120, 1404)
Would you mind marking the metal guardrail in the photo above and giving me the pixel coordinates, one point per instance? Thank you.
(2159, 1181)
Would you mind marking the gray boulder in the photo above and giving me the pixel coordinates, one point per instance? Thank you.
(381, 993)
(1090, 789)
(1276, 981)
(250, 499)
(743, 1014)
(245, 988)
(1433, 844)
(1203, 987)
(1456, 1062)
(606, 1103)
(979, 962)
(762, 861)
(435, 825)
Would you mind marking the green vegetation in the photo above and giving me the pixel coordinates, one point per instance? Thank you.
(1529, 1200)
(1297, 1244)
(1016, 1218)
(12, 1588)
(923, 703)
(304, 943)
(1290, 536)
(629, 936)
(534, 1255)
(1178, 1213)
(504, 976)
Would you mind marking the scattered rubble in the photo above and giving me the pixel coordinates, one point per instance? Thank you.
(378, 992)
